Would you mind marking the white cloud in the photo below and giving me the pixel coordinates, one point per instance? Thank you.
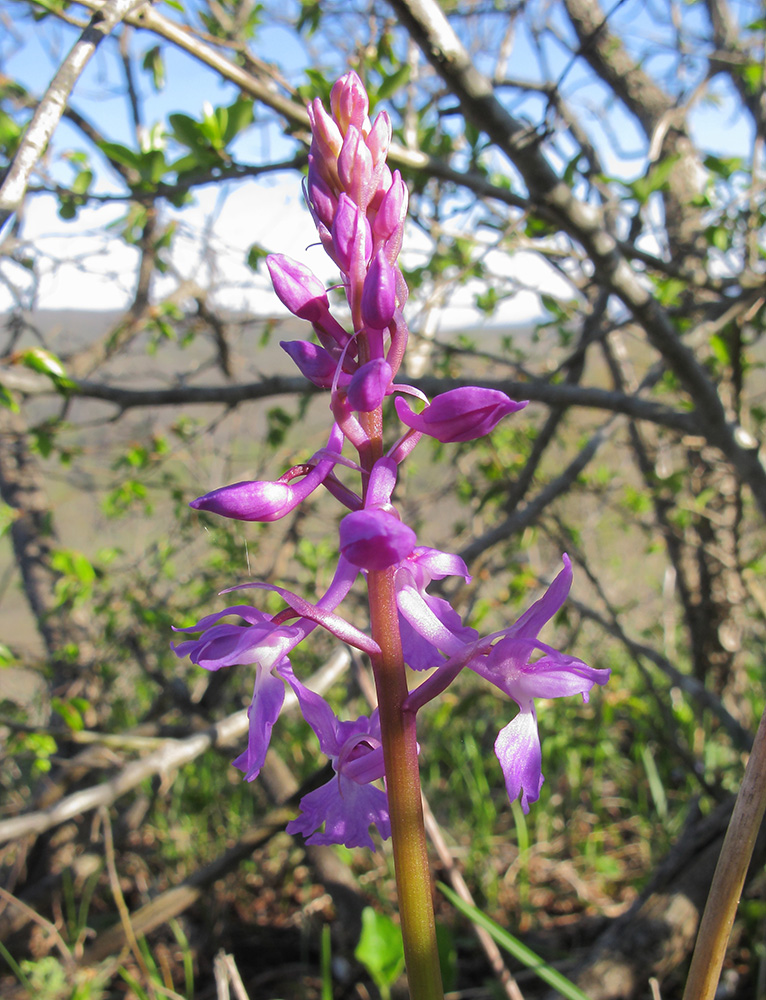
(83, 264)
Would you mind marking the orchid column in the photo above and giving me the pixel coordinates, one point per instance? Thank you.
(359, 208)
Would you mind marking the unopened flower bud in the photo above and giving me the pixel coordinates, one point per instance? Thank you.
(298, 288)
(379, 293)
(379, 138)
(349, 101)
(355, 167)
(324, 129)
(368, 385)
(383, 181)
(248, 501)
(322, 202)
(389, 219)
(351, 235)
(375, 539)
(315, 363)
(460, 414)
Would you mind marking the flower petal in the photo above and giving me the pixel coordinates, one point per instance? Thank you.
(347, 809)
(268, 695)
(557, 675)
(461, 414)
(434, 619)
(518, 749)
(531, 622)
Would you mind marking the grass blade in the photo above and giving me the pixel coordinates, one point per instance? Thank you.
(514, 947)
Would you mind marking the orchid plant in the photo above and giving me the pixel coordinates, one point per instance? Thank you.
(359, 208)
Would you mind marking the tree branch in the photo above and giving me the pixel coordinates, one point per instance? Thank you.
(429, 27)
(171, 756)
(50, 109)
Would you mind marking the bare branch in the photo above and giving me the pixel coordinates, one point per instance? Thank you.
(171, 756)
(429, 27)
(539, 391)
(50, 109)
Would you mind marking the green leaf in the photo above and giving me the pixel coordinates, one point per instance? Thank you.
(309, 17)
(380, 949)
(10, 133)
(515, 947)
(655, 180)
(74, 564)
(46, 363)
(40, 360)
(255, 255)
(720, 348)
(155, 64)
(240, 116)
(394, 82)
(152, 165)
(121, 154)
(7, 400)
(186, 130)
(82, 182)
(752, 75)
(69, 713)
(724, 166)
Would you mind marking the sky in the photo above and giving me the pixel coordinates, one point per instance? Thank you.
(90, 267)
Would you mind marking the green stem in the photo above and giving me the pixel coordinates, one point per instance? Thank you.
(729, 876)
(408, 836)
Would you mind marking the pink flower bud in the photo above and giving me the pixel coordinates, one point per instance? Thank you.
(324, 129)
(389, 219)
(351, 235)
(297, 287)
(355, 167)
(369, 385)
(374, 539)
(349, 101)
(249, 501)
(383, 180)
(379, 138)
(314, 362)
(461, 414)
(321, 200)
(379, 293)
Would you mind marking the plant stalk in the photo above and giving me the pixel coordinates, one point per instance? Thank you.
(408, 836)
(729, 876)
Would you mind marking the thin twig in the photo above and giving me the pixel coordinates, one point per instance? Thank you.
(46, 924)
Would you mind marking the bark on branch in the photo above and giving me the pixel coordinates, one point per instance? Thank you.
(51, 108)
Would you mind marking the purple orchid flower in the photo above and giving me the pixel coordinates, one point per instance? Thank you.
(429, 624)
(348, 804)
(267, 644)
(507, 665)
(374, 538)
(260, 642)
